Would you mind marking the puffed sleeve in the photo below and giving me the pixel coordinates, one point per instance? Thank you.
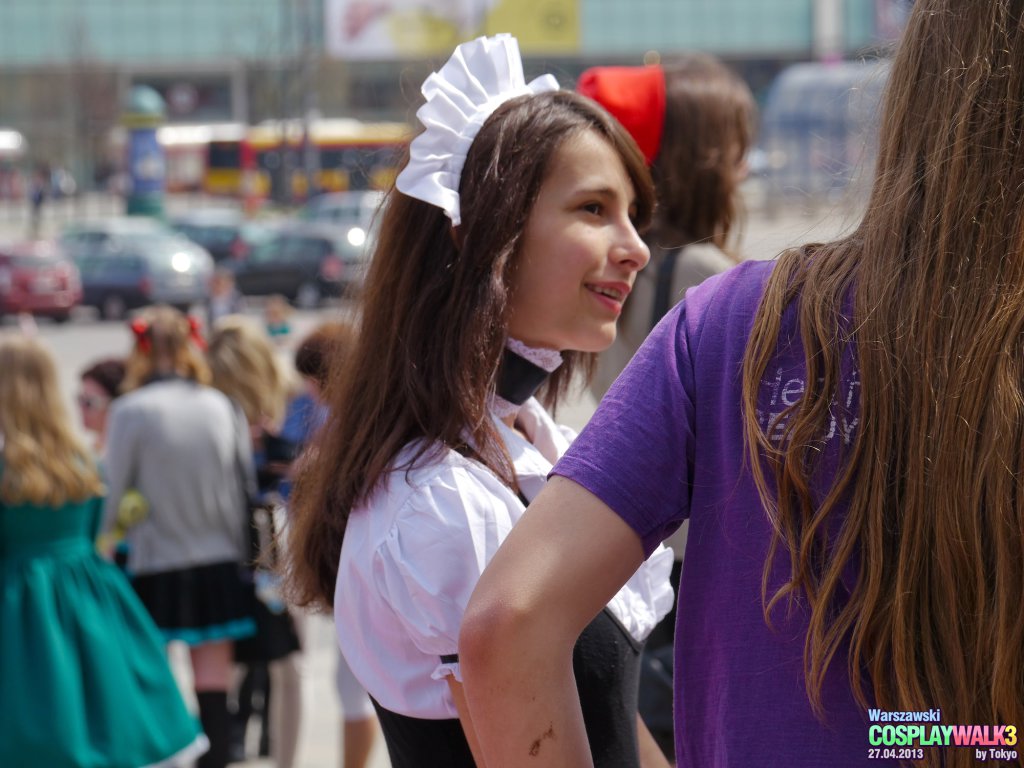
(434, 554)
(647, 597)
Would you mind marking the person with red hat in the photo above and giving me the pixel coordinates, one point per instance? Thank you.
(693, 119)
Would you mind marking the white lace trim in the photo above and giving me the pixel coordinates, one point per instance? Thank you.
(502, 408)
(548, 359)
(199, 746)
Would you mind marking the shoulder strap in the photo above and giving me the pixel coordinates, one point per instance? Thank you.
(663, 283)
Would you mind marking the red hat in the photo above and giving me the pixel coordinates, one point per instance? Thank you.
(635, 96)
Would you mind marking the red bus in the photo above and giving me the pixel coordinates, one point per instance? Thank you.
(348, 154)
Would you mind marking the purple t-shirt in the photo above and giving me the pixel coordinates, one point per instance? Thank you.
(667, 444)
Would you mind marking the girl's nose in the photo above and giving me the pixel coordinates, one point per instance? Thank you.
(631, 250)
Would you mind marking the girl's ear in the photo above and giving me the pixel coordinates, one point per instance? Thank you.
(456, 235)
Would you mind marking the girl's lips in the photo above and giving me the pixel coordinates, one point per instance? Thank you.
(614, 290)
(610, 295)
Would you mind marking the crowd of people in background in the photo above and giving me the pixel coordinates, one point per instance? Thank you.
(193, 433)
(798, 501)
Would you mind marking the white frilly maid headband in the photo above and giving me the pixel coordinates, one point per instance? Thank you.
(480, 76)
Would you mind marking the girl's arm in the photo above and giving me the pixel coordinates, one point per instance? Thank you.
(556, 570)
(459, 695)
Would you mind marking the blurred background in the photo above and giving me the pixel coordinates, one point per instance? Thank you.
(266, 102)
(263, 130)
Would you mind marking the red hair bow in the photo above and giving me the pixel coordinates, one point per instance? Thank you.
(195, 329)
(141, 330)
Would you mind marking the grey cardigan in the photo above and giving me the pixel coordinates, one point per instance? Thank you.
(186, 448)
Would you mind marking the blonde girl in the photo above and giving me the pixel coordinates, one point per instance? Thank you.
(244, 365)
(83, 667)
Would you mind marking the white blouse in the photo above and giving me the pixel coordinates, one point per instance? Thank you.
(412, 556)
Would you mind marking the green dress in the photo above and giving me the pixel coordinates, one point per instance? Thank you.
(84, 678)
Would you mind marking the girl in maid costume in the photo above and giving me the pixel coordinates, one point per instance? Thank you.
(186, 449)
(505, 254)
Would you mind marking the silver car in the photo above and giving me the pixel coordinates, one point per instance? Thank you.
(124, 266)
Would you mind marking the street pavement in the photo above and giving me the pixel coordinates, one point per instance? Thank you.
(320, 735)
(87, 338)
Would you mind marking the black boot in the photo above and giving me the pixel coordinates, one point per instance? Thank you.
(239, 715)
(236, 739)
(213, 714)
(265, 722)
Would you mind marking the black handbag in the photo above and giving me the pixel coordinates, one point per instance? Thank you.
(275, 635)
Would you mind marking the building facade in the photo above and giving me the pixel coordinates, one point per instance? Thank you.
(65, 65)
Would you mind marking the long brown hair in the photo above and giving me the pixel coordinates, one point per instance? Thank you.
(433, 326)
(934, 479)
(709, 126)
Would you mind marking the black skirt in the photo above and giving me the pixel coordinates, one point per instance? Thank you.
(606, 664)
(275, 636)
(416, 743)
(202, 604)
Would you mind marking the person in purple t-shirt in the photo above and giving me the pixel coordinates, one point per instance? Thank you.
(843, 430)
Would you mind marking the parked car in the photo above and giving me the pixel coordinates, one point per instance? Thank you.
(92, 236)
(305, 262)
(225, 233)
(343, 208)
(38, 277)
(124, 266)
(354, 211)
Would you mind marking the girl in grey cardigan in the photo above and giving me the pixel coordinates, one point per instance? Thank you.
(186, 449)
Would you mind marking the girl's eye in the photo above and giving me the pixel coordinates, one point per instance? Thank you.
(594, 208)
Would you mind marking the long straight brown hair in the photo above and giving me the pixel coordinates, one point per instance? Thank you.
(709, 126)
(433, 326)
(935, 476)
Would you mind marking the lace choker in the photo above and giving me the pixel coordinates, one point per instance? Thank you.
(521, 373)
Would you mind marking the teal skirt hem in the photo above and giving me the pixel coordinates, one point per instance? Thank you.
(233, 630)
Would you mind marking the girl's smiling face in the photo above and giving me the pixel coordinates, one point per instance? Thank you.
(580, 251)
